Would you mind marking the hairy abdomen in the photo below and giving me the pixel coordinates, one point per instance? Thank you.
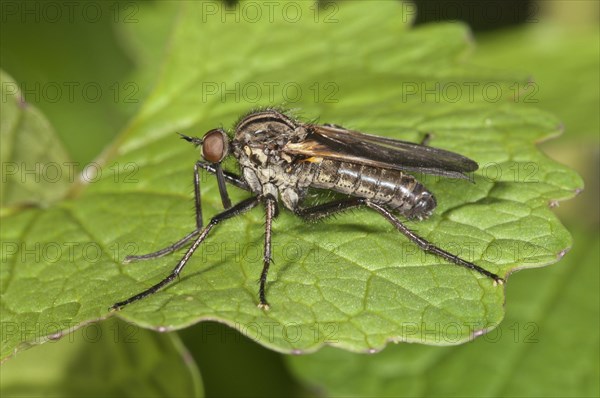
(392, 188)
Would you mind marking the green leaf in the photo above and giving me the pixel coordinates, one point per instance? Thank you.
(535, 46)
(66, 59)
(36, 169)
(258, 371)
(352, 281)
(548, 320)
(572, 46)
(133, 362)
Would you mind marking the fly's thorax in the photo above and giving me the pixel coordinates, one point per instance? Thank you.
(262, 136)
(392, 188)
(279, 176)
(269, 129)
(258, 145)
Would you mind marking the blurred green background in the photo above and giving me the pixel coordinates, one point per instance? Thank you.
(547, 345)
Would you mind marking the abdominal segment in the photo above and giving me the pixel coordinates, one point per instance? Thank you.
(392, 188)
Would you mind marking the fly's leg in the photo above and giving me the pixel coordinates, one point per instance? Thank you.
(231, 178)
(428, 247)
(426, 139)
(223, 177)
(222, 187)
(163, 252)
(271, 212)
(180, 243)
(327, 209)
(238, 209)
(197, 197)
(227, 177)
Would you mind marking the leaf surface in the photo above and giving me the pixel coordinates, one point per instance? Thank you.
(351, 281)
(517, 359)
(133, 362)
(36, 169)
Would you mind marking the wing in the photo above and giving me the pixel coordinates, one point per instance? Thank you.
(332, 142)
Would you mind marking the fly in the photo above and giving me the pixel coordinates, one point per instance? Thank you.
(281, 158)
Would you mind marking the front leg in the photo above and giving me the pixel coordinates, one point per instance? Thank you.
(230, 178)
(234, 211)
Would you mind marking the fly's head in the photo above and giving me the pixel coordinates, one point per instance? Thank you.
(214, 146)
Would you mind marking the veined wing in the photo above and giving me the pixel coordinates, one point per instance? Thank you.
(329, 142)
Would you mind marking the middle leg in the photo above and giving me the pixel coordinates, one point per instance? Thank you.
(270, 213)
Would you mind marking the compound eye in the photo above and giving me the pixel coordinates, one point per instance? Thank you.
(215, 146)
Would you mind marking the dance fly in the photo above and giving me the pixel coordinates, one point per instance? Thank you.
(281, 159)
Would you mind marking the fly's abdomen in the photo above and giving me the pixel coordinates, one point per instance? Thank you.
(392, 188)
